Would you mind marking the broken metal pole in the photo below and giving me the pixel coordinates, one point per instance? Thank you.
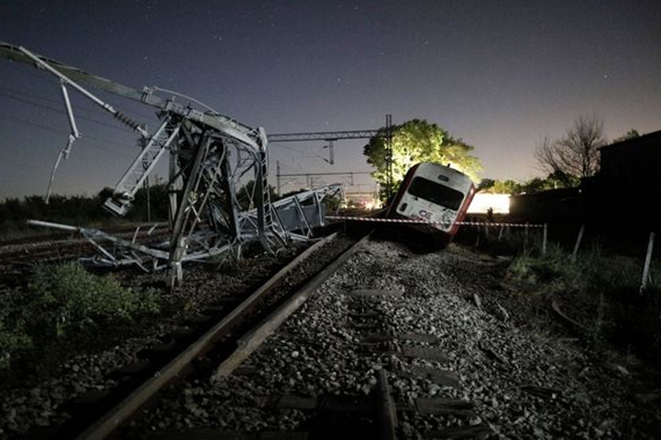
(648, 261)
(544, 239)
(178, 241)
(68, 81)
(577, 245)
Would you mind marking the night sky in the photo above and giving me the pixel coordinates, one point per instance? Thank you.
(499, 74)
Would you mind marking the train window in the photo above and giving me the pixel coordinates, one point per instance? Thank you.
(436, 193)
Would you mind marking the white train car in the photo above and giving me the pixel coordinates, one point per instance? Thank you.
(437, 194)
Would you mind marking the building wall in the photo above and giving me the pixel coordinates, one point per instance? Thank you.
(626, 191)
(636, 160)
(554, 206)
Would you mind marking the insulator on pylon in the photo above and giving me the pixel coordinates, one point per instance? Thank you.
(126, 120)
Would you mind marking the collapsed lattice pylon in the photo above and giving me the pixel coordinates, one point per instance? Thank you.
(213, 160)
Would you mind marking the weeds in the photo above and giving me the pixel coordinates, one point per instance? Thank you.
(228, 264)
(601, 292)
(67, 297)
(556, 272)
(12, 341)
(64, 301)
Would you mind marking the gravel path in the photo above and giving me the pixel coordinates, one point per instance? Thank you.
(524, 381)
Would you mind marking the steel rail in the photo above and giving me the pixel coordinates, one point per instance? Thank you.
(386, 414)
(253, 339)
(106, 424)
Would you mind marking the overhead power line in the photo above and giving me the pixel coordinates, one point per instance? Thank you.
(56, 110)
(39, 126)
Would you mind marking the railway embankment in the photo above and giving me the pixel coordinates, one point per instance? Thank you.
(468, 345)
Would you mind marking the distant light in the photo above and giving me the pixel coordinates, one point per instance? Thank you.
(500, 203)
(374, 204)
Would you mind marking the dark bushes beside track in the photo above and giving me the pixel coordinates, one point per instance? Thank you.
(78, 210)
(64, 303)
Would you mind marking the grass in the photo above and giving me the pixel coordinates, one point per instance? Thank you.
(601, 291)
(67, 298)
(593, 270)
(61, 304)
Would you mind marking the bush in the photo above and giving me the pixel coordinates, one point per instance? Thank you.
(590, 271)
(556, 272)
(12, 328)
(62, 307)
(601, 292)
(66, 297)
(78, 210)
(11, 341)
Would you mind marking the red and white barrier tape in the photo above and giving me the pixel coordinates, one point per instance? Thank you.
(423, 222)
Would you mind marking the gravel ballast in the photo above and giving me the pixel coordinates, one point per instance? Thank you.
(522, 381)
(521, 376)
(34, 402)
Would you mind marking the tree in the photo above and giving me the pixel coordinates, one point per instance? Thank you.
(531, 186)
(575, 155)
(491, 186)
(418, 141)
(506, 187)
(631, 134)
(486, 185)
(555, 180)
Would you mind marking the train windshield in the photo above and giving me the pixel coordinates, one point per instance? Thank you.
(436, 193)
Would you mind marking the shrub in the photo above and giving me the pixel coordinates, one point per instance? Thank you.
(601, 292)
(66, 297)
(555, 273)
(11, 341)
(12, 328)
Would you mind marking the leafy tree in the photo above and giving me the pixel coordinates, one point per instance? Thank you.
(631, 134)
(506, 187)
(575, 155)
(491, 186)
(486, 185)
(534, 185)
(418, 141)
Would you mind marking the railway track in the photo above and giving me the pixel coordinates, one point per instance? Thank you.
(62, 247)
(391, 345)
(373, 412)
(213, 345)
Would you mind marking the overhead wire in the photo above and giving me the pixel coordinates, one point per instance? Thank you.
(56, 110)
(43, 78)
(298, 151)
(86, 106)
(53, 82)
(13, 118)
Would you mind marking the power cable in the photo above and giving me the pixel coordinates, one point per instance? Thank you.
(52, 82)
(46, 107)
(43, 78)
(13, 118)
(307, 153)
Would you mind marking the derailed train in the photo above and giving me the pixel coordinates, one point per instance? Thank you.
(431, 193)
